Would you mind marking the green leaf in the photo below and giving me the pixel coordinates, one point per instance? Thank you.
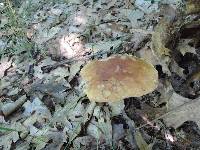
(6, 129)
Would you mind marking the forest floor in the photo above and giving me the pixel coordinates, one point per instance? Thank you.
(45, 43)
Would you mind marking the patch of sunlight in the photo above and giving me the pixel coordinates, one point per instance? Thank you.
(72, 46)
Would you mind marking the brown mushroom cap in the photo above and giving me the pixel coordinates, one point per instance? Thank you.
(118, 77)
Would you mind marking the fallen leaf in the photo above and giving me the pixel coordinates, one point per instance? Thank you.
(84, 142)
(23, 146)
(74, 69)
(177, 100)
(186, 112)
(13, 91)
(61, 114)
(118, 133)
(46, 34)
(36, 107)
(9, 108)
(148, 55)
(134, 16)
(174, 67)
(146, 6)
(192, 7)
(5, 63)
(40, 142)
(3, 21)
(104, 124)
(103, 46)
(2, 43)
(86, 117)
(184, 47)
(7, 140)
(38, 73)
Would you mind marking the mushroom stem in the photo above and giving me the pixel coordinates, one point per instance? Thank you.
(116, 107)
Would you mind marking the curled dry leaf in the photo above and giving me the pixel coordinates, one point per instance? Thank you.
(148, 55)
(176, 69)
(9, 108)
(164, 36)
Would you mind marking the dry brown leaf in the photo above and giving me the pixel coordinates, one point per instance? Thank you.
(177, 100)
(160, 37)
(84, 142)
(192, 6)
(74, 69)
(186, 112)
(175, 68)
(8, 139)
(5, 63)
(84, 119)
(148, 55)
(9, 108)
(184, 47)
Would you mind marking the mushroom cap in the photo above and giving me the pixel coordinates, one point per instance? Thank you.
(118, 77)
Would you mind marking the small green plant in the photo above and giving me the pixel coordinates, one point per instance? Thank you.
(6, 129)
(16, 39)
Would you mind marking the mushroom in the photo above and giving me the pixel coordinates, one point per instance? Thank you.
(118, 77)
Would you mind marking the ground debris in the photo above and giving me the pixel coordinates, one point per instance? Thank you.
(185, 112)
(9, 108)
(44, 45)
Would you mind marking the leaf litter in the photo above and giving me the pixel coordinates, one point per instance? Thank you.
(42, 101)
